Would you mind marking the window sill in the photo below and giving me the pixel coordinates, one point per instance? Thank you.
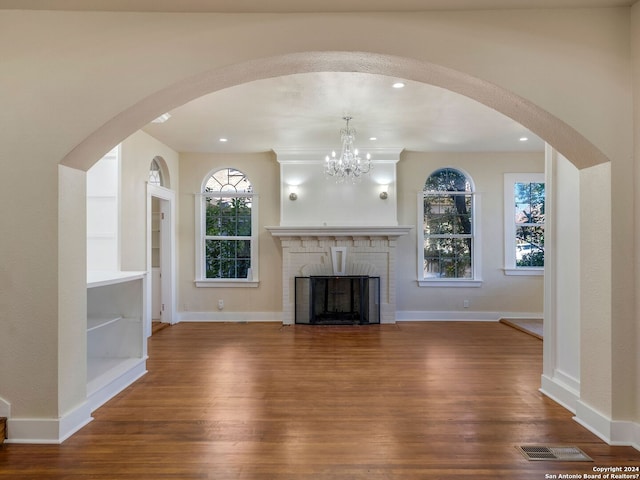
(450, 283)
(234, 283)
(525, 271)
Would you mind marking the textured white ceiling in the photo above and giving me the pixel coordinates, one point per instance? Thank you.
(304, 111)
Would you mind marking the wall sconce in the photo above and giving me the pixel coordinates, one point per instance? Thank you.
(384, 194)
(293, 192)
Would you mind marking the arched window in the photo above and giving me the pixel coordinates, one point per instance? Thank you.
(447, 241)
(155, 174)
(227, 241)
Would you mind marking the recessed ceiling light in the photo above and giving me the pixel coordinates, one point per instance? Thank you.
(523, 139)
(162, 118)
(224, 140)
(373, 138)
(398, 85)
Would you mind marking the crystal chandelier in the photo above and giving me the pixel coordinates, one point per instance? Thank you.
(348, 166)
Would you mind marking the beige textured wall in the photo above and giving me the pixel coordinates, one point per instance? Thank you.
(72, 277)
(137, 152)
(596, 279)
(499, 293)
(84, 69)
(264, 173)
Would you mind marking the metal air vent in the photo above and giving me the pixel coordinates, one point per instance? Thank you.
(556, 453)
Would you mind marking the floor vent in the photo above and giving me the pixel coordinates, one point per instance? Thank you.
(556, 453)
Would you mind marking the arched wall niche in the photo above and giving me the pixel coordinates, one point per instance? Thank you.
(565, 139)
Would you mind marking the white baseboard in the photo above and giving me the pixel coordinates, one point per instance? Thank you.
(614, 432)
(48, 430)
(460, 315)
(400, 316)
(230, 316)
(560, 392)
(98, 397)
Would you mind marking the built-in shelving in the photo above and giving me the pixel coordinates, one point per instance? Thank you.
(116, 346)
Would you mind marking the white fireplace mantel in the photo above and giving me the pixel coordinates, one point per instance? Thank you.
(389, 232)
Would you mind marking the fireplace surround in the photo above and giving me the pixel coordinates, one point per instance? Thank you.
(353, 250)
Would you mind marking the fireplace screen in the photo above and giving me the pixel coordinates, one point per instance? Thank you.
(332, 300)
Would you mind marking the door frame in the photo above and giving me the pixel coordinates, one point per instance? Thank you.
(167, 255)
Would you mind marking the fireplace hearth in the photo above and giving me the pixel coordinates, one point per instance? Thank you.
(337, 300)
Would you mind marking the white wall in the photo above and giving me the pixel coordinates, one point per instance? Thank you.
(321, 201)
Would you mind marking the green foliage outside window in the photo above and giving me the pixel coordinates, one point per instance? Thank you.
(447, 225)
(228, 217)
(529, 218)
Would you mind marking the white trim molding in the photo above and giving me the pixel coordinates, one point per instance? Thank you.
(229, 282)
(562, 390)
(614, 432)
(389, 232)
(462, 316)
(232, 317)
(510, 179)
(522, 271)
(48, 430)
(460, 283)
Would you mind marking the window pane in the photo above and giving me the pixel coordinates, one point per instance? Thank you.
(228, 180)
(447, 214)
(228, 216)
(447, 258)
(530, 246)
(448, 180)
(227, 258)
(155, 174)
(529, 202)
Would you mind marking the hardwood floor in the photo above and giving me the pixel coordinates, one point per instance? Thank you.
(263, 401)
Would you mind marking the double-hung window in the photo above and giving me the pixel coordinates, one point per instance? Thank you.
(447, 242)
(226, 243)
(524, 223)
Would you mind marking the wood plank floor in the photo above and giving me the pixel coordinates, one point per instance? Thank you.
(263, 401)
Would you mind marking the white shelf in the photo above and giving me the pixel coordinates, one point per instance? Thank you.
(116, 345)
(99, 278)
(94, 323)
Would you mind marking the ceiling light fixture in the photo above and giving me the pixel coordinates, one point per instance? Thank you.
(223, 140)
(162, 118)
(349, 165)
(398, 85)
(523, 139)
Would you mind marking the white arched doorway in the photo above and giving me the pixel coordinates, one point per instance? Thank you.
(563, 138)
